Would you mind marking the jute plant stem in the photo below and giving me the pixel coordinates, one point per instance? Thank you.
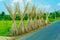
(19, 13)
(41, 21)
(21, 24)
(13, 30)
(35, 19)
(47, 20)
(31, 20)
(28, 25)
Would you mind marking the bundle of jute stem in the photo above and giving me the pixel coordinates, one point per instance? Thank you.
(35, 18)
(41, 21)
(19, 13)
(21, 24)
(13, 30)
(47, 19)
(29, 22)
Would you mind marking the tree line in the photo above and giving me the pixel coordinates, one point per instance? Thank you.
(4, 16)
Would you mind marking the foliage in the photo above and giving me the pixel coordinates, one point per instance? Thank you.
(7, 17)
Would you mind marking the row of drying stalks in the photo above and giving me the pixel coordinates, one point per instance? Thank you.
(31, 24)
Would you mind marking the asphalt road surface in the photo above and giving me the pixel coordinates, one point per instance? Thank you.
(50, 32)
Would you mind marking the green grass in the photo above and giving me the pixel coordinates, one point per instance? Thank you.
(6, 25)
(52, 20)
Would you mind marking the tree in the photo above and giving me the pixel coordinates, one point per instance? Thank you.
(2, 14)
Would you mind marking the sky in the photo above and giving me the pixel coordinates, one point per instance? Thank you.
(46, 5)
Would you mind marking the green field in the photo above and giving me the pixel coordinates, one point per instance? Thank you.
(6, 25)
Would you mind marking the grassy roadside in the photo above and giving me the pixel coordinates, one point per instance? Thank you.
(6, 25)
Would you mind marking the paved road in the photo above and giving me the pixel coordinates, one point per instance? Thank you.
(50, 32)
